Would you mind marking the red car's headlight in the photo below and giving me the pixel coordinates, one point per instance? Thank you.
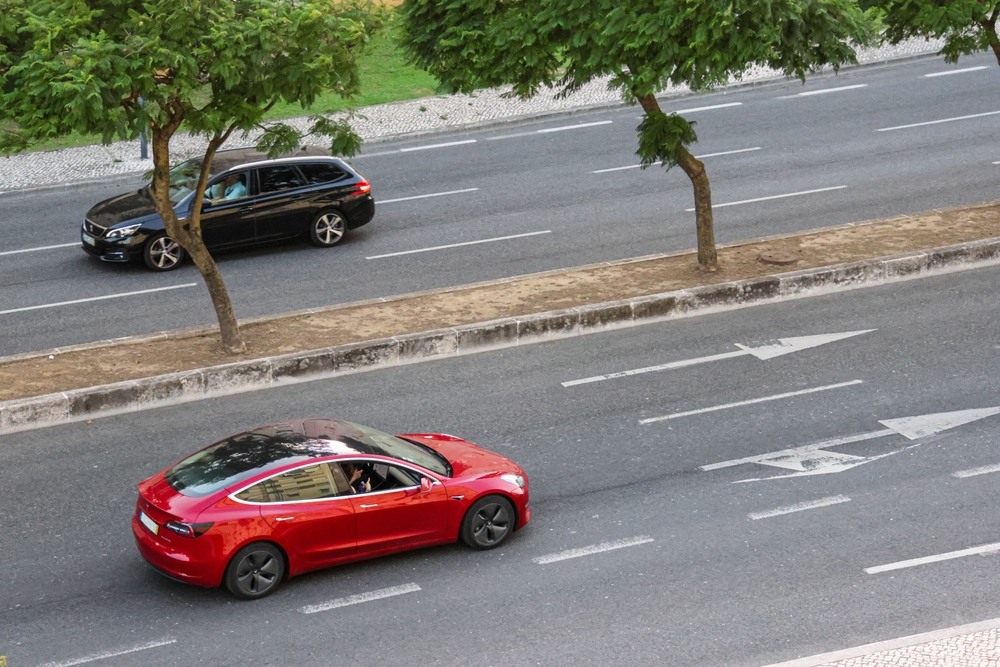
(516, 480)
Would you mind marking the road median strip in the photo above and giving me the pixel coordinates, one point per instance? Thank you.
(142, 372)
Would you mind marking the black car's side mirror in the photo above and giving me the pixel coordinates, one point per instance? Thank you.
(205, 203)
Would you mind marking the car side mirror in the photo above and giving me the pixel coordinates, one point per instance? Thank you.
(205, 203)
(425, 484)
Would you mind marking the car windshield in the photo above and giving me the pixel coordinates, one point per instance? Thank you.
(184, 180)
(242, 456)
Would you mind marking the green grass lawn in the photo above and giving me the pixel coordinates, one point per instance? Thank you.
(385, 77)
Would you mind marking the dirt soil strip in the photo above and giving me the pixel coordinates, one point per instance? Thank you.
(524, 295)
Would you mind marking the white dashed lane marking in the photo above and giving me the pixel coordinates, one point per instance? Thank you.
(458, 245)
(96, 298)
(358, 599)
(43, 247)
(790, 194)
(592, 549)
(110, 654)
(433, 194)
(913, 562)
(799, 507)
(935, 122)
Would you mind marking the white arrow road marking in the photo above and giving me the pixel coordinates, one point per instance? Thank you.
(935, 122)
(976, 471)
(458, 245)
(790, 194)
(955, 71)
(110, 654)
(924, 425)
(700, 157)
(752, 401)
(363, 597)
(984, 549)
(592, 549)
(815, 460)
(433, 194)
(765, 350)
(812, 504)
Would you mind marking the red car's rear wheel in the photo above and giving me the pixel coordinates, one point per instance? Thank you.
(255, 571)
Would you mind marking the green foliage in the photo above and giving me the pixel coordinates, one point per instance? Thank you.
(967, 26)
(661, 137)
(213, 65)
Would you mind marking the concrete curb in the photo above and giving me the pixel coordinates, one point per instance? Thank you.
(263, 373)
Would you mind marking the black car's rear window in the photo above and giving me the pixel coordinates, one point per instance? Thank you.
(241, 457)
(322, 173)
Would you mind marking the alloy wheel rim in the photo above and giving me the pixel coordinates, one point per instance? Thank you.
(257, 572)
(491, 524)
(330, 228)
(165, 252)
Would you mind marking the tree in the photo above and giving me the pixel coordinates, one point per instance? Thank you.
(642, 45)
(967, 26)
(212, 67)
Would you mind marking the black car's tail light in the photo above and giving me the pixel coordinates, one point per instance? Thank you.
(191, 530)
(364, 187)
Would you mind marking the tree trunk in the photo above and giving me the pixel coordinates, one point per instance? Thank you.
(708, 259)
(191, 241)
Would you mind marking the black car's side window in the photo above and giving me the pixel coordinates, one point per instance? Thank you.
(315, 174)
(307, 483)
(233, 186)
(276, 179)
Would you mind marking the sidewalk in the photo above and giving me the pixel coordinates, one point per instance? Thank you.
(972, 645)
(381, 122)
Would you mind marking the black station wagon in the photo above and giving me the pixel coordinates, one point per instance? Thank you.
(249, 199)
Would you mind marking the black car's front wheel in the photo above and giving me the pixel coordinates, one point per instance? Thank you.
(255, 571)
(488, 523)
(327, 229)
(162, 253)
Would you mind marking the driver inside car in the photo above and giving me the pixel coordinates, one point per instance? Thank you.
(358, 477)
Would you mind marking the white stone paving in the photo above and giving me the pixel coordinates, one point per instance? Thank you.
(978, 649)
(381, 121)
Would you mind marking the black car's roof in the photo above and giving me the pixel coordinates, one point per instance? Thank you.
(226, 160)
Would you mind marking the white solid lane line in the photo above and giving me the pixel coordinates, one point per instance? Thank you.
(752, 401)
(976, 471)
(109, 654)
(358, 599)
(444, 145)
(812, 504)
(913, 562)
(956, 71)
(700, 157)
(592, 549)
(824, 91)
(714, 106)
(574, 127)
(457, 245)
(935, 122)
(433, 194)
(43, 247)
(96, 298)
(790, 194)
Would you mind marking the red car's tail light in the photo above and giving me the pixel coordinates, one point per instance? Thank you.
(191, 530)
(362, 188)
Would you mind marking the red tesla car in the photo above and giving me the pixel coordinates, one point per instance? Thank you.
(296, 496)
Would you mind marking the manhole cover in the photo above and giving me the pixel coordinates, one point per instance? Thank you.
(779, 258)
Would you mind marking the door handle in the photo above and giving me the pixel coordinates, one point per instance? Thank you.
(283, 518)
(367, 506)
(246, 209)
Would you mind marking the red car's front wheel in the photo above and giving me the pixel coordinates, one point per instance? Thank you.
(488, 523)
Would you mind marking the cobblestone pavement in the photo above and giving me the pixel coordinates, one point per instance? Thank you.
(973, 645)
(425, 115)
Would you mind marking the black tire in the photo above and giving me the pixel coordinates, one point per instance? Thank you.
(327, 229)
(488, 523)
(162, 253)
(255, 571)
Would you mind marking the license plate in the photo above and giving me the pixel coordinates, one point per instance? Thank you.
(154, 528)
(88, 239)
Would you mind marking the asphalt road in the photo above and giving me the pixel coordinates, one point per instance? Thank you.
(715, 586)
(529, 181)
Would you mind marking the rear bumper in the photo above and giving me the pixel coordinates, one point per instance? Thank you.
(359, 211)
(181, 566)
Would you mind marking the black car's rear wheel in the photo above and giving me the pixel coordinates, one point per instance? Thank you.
(255, 571)
(488, 523)
(327, 229)
(162, 253)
